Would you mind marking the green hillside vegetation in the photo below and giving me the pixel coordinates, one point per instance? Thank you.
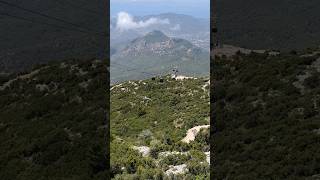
(157, 115)
(52, 122)
(267, 116)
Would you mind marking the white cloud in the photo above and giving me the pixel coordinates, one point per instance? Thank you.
(176, 27)
(126, 22)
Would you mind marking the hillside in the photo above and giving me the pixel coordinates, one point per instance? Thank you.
(267, 116)
(160, 120)
(156, 53)
(269, 24)
(24, 43)
(52, 122)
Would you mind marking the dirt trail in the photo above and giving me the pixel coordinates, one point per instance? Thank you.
(192, 133)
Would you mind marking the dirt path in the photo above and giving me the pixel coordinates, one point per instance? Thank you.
(192, 133)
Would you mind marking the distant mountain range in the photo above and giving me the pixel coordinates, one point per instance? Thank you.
(156, 53)
(270, 24)
(196, 30)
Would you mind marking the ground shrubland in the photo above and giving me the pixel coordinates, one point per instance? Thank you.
(53, 122)
(267, 116)
(156, 115)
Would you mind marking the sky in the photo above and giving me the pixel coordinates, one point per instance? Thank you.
(196, 8)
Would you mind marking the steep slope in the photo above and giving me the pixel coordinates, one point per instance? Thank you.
(267, 116)
(52, 122)
(156, 53)
(269, 24)
(153, 118)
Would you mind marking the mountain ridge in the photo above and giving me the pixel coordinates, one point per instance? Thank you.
(156, 53)
(183, 26)
(156, 41)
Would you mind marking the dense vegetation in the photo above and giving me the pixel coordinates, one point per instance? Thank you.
(157, 115)
(267, 116)
(269, 24)
(53, 122)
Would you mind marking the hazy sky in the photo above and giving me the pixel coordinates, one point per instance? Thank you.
(196, 8)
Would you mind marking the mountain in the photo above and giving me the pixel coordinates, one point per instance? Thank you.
(160, 129)
(156, 43)
(156, 53)
(53, 122)
(269, 24)
(267, 112)
(28, 40)
(196, 30)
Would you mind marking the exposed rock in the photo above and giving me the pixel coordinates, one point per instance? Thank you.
(207, 156)
(179, 169)
(63, 65)
(168, 153)
(317, 131)
(184, 77)
(144, 150)
(192, 133)
(85, 84)
(76, 99)
(42, 87)
(299, 84)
